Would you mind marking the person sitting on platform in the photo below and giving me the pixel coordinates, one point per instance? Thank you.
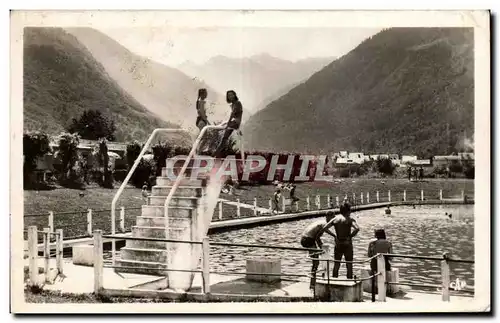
(380, 245)
(311, 238)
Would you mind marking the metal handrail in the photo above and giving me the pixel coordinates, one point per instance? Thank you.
(129, 175)
(185, 165)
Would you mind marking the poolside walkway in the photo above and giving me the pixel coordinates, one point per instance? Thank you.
(80, 279)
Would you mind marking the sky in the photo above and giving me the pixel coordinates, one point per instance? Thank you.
(173, 46)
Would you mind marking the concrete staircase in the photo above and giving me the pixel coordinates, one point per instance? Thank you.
(186, 207)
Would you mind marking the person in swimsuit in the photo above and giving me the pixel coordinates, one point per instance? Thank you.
(234, 120)
(311, 238)
(201, 119)
(276, 200)
(343, 224)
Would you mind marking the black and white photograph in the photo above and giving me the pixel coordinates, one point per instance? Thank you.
(280, 161)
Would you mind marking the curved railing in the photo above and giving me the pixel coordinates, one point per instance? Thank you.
(129, 175)
(186, 163)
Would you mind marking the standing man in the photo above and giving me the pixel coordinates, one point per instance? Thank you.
(234, 120)
(343, 224)
(293, 198)
(421, 173)
(409, 173)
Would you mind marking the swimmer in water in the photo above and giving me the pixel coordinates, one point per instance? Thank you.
(388, 210)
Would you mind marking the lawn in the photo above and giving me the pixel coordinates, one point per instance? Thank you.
(46, 296)
(70, 207)
(452, 188)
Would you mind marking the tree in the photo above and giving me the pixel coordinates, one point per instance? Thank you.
(93, 125)
(35, 145)
(103, 159)
(68, 153)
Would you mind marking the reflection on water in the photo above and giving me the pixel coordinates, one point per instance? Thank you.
(423, 230)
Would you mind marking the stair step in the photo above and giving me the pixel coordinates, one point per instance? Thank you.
(175, 233)
(155, 221)
(142, 254)
(183, 191)
(166, 181)
(141, 267)
(173, 211)
(175, 201)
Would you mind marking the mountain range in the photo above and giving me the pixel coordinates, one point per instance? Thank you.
(403, 90)
(62, 79)
(165, 91)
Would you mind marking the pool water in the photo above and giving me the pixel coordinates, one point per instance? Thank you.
(423, 230)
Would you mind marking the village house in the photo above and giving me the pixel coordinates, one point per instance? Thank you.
(116, 153)
(461, 158)
(406, 159)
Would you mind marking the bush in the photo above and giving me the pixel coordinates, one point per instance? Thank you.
(120, 174)
(35, 145)
(385, 166)
(143, 173)
(133, 150)
(469, 171)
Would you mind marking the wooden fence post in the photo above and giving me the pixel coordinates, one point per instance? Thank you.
(206, 266)
(354, 198)
(381, 278)
(367, 197)
(33, 254)
(46, 253)
(51, 221)
(445, 276)
(404, 195)
(59, 251)
(122, 219)
(389, 195)
(318, 202)
(98, 262)
(463, 195)
(441, 195)
(422, 195)
(337, 201)
(220, 210)
(255, 206)
(329, 200)
(308, 202)
(283, 203)
(89, 222)
(238, 210)
(378, 197)
(270, 206)
(362, 202)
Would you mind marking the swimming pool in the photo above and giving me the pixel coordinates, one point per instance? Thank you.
(423, 230)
